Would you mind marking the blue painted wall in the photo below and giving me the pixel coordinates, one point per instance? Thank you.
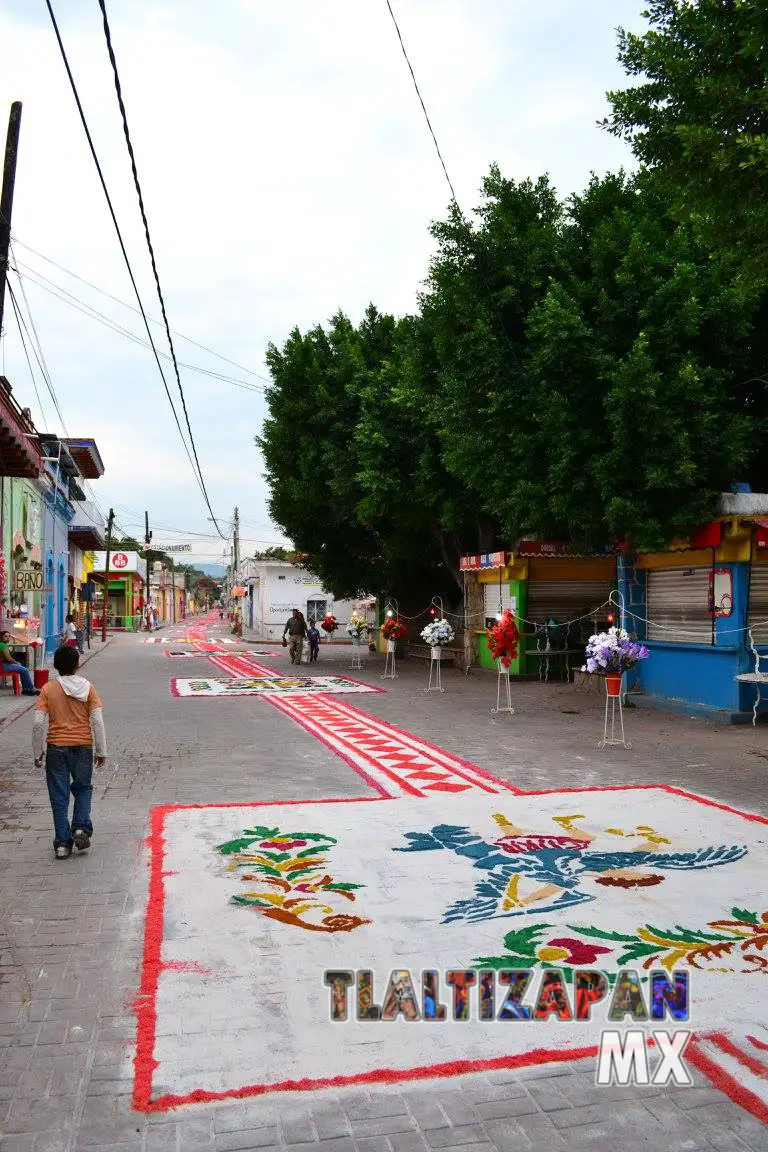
(58, 513)
(697, 677)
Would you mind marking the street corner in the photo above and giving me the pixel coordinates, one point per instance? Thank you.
(254, 908)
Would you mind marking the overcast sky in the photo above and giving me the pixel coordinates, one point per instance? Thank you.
(287, 172)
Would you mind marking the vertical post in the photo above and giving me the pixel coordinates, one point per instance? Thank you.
(147, 542)
(173, 587)
(6, 195)
(110, 522)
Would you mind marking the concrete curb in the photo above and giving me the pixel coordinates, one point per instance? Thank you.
(24, 708)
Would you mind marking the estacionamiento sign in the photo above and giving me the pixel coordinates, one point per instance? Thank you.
(172, 548)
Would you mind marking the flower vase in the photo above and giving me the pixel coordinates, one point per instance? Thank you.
(390, 645)
(613, 684)
(435, 651)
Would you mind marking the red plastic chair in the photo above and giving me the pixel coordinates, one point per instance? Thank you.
(16, 679)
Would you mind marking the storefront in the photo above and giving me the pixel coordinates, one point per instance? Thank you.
(558, 600)
(702, 609)
(21, 520)
(125, 590)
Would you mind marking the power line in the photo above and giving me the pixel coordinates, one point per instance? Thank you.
(124, 304)
(124, 116)
(79, 305)
(423, 105)
(120, 238)
(26, 353)
(38, 354)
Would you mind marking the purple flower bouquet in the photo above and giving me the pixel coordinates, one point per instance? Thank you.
(612, 653)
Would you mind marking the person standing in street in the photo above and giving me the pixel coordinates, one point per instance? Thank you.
(8, 664)
(295, 631)
(314, 642)
(75, 735)
(69, 632)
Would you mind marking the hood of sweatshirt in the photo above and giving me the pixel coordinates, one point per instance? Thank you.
(76, 686)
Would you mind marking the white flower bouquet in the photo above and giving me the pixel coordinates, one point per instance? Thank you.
(438, 633)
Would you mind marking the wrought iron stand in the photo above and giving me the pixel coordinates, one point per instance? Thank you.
(612, 705)
(435, 670)
(389, 667)
(505, 692)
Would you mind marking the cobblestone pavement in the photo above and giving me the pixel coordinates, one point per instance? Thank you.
(71, 932)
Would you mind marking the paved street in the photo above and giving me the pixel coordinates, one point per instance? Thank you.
(75, 962)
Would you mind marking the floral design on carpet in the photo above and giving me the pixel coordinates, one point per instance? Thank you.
(731, 944)
(268, 686)
(532, 871)
(287, 881)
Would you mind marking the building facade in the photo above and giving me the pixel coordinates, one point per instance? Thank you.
(273, 588)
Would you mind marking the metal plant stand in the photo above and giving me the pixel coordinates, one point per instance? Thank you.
(356, 650)
(503, 692)
(613, 704)
(389, 668)
(435, 670)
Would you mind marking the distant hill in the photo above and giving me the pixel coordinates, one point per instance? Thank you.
(215, 570)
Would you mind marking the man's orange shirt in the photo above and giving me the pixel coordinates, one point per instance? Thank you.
(69, 720)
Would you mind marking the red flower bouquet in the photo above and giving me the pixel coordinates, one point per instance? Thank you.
(503, 639)
(329, 624)
(394, 629)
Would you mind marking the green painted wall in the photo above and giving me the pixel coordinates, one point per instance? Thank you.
(518, 590)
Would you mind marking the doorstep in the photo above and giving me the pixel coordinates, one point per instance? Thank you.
(695, 711)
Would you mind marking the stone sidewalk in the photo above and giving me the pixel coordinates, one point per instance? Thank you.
(71, 933)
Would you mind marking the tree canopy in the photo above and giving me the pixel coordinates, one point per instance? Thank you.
(589, 369)
(697, 113)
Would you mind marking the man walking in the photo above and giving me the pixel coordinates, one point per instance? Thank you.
(75, 735)
(296, 631)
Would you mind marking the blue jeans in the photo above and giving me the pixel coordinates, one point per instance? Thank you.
(26, 679)
(61, 765)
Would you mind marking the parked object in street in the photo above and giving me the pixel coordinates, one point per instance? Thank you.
(75, 735)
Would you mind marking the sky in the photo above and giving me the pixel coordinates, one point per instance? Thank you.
(287, 173)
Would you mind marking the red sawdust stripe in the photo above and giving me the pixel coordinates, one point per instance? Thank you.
(726, 1083)
(725, 1044)
(378, 1076)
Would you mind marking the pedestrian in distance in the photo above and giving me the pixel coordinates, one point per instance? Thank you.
(10, 665)
(75, 736)
(314, 641)
(295, 633)
(69, 632)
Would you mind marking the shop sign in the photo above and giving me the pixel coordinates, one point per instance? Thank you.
(172, 548)
(118, 561)
(556, 548)
(28, 580)
(484, 560)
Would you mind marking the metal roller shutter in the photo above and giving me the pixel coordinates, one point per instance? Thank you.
(758, 602)
(565, 599)
(678, 602)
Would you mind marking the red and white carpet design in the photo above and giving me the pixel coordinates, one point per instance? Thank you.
(382, 882)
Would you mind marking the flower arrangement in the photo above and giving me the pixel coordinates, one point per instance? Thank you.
(329, 624)
(503, 639)
(437, 633)
(394, 628)
(612, 653)
(357, 626)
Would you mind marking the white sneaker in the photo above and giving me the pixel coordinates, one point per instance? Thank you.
(62, 852)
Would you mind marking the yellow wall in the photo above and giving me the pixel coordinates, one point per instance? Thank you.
(572, 568)
(735, 548)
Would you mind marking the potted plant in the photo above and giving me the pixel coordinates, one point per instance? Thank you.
(393, 629)
(611, 654)
(503, 639)
(437, 634)
(329, 624)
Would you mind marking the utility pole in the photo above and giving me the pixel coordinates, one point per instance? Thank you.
(173, 587)
(110, 522)
(236, 546)
(147, 542)
(6, 196)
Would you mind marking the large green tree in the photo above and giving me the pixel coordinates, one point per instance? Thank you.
(697, 113)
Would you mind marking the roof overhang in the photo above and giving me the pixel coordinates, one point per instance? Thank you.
(19, 453)
(86, 456)
(85, 537)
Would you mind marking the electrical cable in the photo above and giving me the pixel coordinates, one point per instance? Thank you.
(124, 116)
(130, 307)
(26, 353)
(56, 290)
(120, 239)
(43, 370)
